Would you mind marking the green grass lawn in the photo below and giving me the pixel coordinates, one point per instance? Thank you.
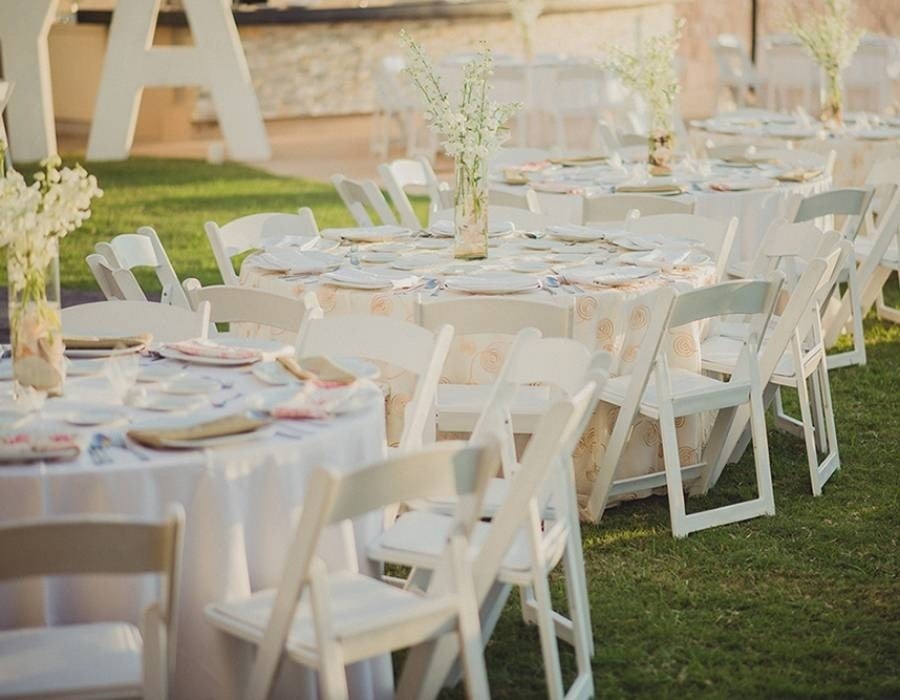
(804, 604)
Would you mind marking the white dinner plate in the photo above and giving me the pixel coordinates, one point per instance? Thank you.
(493, 284)
(267, 349)
(296, 262)
(88, 416)
(432, 243)
(740, 184)
(447, 229)
(378, 257)
(529, 266)
(316, 243)
(417, 262)
(169, 402)
(608, 276)
(580, 234)
(353, 278)
(184, 386)
(666, 259)
(158, 372)
(84, 368)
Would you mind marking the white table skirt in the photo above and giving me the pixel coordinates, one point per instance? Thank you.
(242, 503)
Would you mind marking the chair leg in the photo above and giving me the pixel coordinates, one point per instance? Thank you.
(547, 629)
(580, 615)
(672, 462)
(761, 450)
(812, 457)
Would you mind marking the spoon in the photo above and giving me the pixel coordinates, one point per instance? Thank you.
(551, 284)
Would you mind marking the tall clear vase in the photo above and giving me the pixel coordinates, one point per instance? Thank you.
(35, 326)
(471, 210)
(832, 98)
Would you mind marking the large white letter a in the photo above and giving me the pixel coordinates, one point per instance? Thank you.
(216, 61)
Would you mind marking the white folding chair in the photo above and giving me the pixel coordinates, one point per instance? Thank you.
(578, 93)
(459, 405)
(866, 83)
(327, 620)
(791, 75)
(114, 282)
(518, 156)
(166, 323)
(396, 343)
(715, 236)
(395, 103)
(800, 158)
(101, 659)
(615, 207)
(791, 355)
(517, 548)
(249, 232)
(144, 249)
(878, 252)
(526, 200)
(398, 175)
(361, 196)
(658, 392)
(736, 72)
(245, 305)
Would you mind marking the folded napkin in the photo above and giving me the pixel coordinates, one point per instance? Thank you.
(317, 369)
(532, 166)
(798, 175)
(587, 159)
(207, 348)
(84, 342)
(650, 189)
(25, 447)
(220, 427)
(514, 176)
(297, 261)
(321, 402)
(557, 187)
(749, 160)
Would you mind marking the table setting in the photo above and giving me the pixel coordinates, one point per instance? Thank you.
(211, 429)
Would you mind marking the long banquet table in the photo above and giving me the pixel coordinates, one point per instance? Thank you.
(242, 502)
(607, 318)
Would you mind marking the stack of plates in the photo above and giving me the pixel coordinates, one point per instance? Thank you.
(499, 283)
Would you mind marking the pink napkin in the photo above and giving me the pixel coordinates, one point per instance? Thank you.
(22, 447)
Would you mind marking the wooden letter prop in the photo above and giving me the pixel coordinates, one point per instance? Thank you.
(216, 61)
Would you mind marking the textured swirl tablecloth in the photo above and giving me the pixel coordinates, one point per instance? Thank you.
(613, 319)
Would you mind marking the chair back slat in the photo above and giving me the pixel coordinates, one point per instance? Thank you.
(88, 545)
(360, 196)
(615, 207)
(245, 305)
(726, 298)
(120, 318)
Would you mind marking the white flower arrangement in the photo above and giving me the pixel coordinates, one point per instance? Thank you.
(829, 36)
(525, 14)
(650, 71)
(472, 126)
(33, 217)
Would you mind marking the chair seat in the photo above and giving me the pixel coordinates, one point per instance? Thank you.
(691, 392)
(459, 405)
(101, 660)
(494, 497)
(740, 269)
(720, 354)
(418, 537)
(360, 606)
(891, 257)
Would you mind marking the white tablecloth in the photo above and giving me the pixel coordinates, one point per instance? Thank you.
(241, 503)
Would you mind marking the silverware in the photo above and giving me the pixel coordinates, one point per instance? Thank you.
(218, 403)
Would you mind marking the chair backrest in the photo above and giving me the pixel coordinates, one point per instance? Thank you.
(245, 305)
(732, 60)
(526, 200)
(125, 318)
(784, 242)
(144, 249)
(114, 282)
(449, 469)
(360, 196)
(730, 150)
(736, 297)
(249, 232)
(800, 158)
(850, 203)
(615, 207)
(716, 236)
(498, 315)
(522, 219)
(518, 156)
(399, 174)
(100, 545)
(393, 342)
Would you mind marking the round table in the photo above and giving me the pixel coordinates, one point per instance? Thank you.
(857, 149)
(608, 318)
(241, 501)
(561, 190)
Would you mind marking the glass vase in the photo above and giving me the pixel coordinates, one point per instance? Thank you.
(660, 147)
(35, 326)
(831, 98)
(470, 209)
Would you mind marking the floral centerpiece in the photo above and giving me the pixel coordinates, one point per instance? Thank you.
(472, 128)
(651, 72)
(831, 40)
(33, 217)
(525, 14)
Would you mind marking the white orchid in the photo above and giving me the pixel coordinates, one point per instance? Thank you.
(830, 36)
(651, 72)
